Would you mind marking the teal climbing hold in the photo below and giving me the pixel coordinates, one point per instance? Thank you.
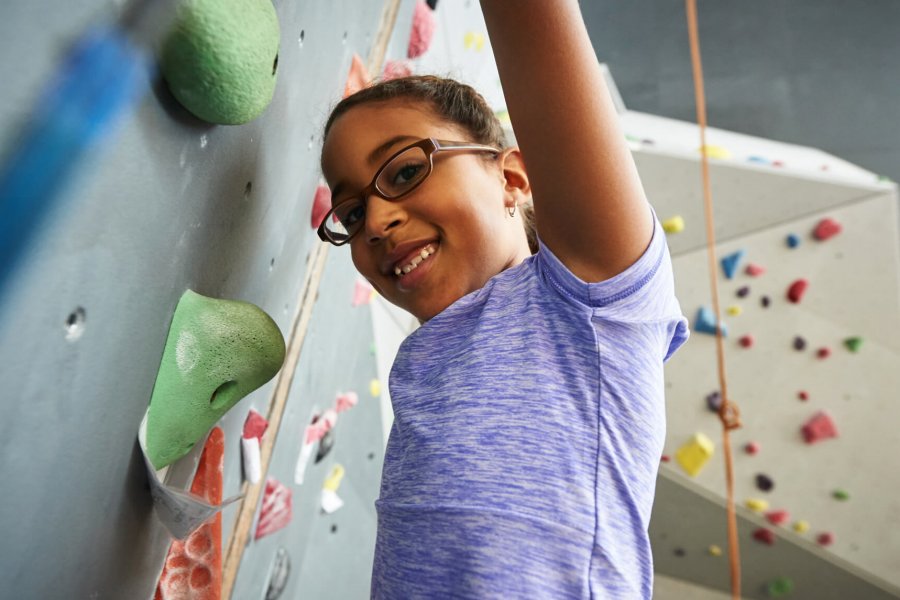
(730, 263)
(706, 322)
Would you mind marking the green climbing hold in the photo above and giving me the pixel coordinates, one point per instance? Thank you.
(853, 344)
(217, 352)
(780, 586)
(221, 58)
(840, 495)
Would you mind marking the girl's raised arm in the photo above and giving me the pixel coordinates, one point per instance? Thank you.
(589, 204)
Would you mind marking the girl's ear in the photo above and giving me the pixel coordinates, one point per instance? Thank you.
(515, 177)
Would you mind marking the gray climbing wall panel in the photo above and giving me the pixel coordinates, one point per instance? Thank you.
(171, 203)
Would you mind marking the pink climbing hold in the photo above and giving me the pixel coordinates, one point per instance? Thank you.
(751, 448)
(778, 517)
(321, 205)
(754, 270)
(826, 228)
(422, 30)
(394, 69)
(746, 341)
(345, 401)
(797, 289)
(819, 427)
(766, 536)
(825, 539)
(276, 509)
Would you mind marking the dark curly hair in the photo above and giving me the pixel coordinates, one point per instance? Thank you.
(454, 102)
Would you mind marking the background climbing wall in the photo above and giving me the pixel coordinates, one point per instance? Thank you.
(171, 203)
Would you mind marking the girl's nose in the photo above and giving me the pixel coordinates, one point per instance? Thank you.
(382, 216)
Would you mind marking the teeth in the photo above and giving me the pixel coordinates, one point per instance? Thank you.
(425, 253)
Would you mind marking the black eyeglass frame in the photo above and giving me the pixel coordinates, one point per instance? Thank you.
(431, 146)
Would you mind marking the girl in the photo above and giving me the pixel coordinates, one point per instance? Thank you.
(528, 407)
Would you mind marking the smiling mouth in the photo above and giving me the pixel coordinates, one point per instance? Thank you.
(423, 255)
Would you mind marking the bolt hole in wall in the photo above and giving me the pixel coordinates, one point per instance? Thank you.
(275, 65)
(344, 40)
(247, 189)
(75, 324)
(312, 139)
(302, 35)
(271, 264)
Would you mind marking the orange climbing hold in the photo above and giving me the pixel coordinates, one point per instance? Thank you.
(358, 77)
(193, 568)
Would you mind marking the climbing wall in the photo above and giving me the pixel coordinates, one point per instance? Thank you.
(812, 326)
(168, 203)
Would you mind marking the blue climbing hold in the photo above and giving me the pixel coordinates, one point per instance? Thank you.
(706, 322)
(793, 240)
(730, 263)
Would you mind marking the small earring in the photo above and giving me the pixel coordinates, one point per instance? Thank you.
(512, 211)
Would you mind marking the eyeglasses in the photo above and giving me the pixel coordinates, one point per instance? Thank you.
(403, 172)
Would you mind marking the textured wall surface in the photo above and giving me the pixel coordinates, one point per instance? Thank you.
(171, 203)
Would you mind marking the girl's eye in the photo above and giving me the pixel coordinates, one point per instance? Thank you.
(407, 174)
(352, 215)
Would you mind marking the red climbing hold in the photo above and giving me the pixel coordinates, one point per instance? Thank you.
(819, 427)
(823, 352)
(825, 538)
(746, 341)
(321, 205)
(751, 448)
(803, 395)
(826, 228)
(754, 270)
(766, 536)
(778, 517)
(665, 458)
(797, 289)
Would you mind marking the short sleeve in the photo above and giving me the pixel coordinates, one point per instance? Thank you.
(645, 291)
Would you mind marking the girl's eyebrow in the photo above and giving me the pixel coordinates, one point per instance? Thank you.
(377, 152)
(375, 155)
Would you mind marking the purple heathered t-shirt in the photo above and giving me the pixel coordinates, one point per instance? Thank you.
(529, 420)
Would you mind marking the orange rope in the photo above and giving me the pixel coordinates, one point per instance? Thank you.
(728, 412)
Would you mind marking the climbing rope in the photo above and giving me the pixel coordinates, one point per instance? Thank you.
(728, 411)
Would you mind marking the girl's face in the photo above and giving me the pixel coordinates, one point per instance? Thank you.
(458, 216)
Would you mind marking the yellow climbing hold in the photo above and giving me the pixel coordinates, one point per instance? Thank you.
(715, 550)
(693, 455)
(801, 526)
(333, 482)
(734, 310)
(375, 388)
(757, 505)
(474, 40)
(716, 151)
(673, 225)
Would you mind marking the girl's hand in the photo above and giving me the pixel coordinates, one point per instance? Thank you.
(589, 204)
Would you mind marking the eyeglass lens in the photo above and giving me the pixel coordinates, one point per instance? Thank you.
(403, 173)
